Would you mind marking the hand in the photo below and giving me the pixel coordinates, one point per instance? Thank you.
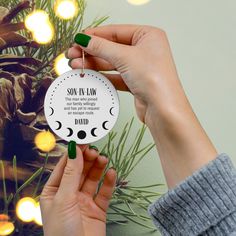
(142, 56)
(68, 201)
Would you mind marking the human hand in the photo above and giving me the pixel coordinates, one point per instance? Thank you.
(69, 203)
(142, 56)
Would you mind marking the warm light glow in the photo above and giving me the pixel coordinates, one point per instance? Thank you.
(6, 228)
(138, 2)
(66, 9)
(45, 141)
(36, 19)
(25, 209)
(44, 34)
(61, 64)
(39, 24)
(37, 215)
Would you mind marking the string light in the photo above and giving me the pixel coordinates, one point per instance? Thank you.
(45, 141)
(138, 2)
(39, 24)
(25, 209)
(37, 215)
(66, 9)
(61, 64)
(6, 227)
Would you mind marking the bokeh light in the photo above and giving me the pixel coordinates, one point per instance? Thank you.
(44, 34)
(39, 24)
(37, 215)
(45, 141)
(61, 64)
(6, 228)
(25, 209)
(66, 9)
(35, 19)
(138, 2)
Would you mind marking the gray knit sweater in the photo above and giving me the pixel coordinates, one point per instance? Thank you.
(203, 204)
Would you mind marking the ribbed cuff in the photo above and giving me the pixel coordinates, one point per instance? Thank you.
(201, 201)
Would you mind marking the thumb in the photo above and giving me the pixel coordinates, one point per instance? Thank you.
(100, 47)
(73, 170)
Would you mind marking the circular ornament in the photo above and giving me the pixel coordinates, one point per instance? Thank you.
(81, 108)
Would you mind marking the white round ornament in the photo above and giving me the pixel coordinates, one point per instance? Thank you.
(83, 109)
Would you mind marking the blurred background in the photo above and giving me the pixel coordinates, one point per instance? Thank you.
(202, 36)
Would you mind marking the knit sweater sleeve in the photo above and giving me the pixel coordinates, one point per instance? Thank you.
(203, 204)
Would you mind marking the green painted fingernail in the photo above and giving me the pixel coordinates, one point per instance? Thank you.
(103, 154)
(93, 147)
(69, 62)
(72, 149)
(82, 39)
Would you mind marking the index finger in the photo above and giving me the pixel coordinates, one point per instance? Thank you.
(115, 33)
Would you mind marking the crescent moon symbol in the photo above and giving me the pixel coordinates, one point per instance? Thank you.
(71, 132)
(111, 111)
(52, 111)
(60, 125)
(92, 132)
(103, 125)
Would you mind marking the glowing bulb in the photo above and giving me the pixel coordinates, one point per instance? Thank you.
(61, 64)
(6, 228)
(35, 19)
(66, 9)
(25, 209)
(37, 215)
(44, 34)
(45, 141)
(138, 2)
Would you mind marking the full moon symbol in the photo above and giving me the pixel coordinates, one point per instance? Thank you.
(111, 111)
(92, 132)
(103, 125)
(60, 125)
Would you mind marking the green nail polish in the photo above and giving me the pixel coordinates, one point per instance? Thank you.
(72, 149)
(93, 147)
(103, 154)
(82, 39)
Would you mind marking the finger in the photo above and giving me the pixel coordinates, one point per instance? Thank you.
(102, 48)
(91, 182)
(116, 33)
(105, 193)
(90, 155)
(83, 147)
(72, 172)
(93, 63)
(117, 81)
(55, 177)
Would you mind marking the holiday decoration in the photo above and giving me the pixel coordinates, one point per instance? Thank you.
(30, 62)
(81, 107)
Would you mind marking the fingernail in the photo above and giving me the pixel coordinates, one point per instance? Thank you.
(82, 39)
(93, 147)
(113, 168)
(103, 154)
(72, 149)
(69, 62)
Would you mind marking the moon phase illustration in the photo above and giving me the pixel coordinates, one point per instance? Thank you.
(83, 109)
(71, 132)
(104, 125)
(111, 111)
(60, 125)
(92, 132)
(52, 111)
